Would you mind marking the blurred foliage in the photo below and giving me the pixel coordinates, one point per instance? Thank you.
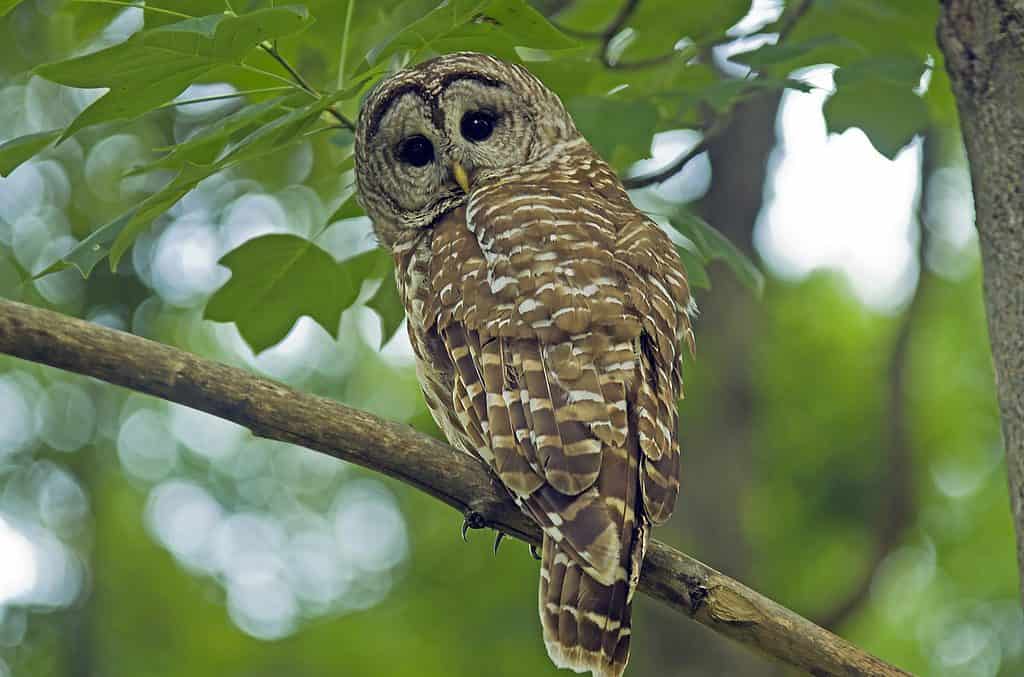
(220, 188)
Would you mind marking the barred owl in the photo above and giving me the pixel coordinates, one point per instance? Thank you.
(546, 313)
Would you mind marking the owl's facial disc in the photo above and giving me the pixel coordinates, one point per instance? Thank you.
(428, 135)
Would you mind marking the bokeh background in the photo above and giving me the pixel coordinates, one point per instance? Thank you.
(842, 451)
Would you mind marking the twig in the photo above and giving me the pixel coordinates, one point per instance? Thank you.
(272, 50)
(674, 167)
(607, 35)
(272, 410)
(789, 20)
(221, 97)
(717, 124)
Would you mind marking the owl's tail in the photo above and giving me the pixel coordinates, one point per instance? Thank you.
(586, 624)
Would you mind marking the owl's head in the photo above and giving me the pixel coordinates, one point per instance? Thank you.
(427, 134)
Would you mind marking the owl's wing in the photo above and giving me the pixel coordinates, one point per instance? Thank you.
(563, 331)
(658, 290)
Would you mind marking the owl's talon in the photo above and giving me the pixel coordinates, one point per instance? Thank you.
(498, 535)
(472, 520)
(533, 551)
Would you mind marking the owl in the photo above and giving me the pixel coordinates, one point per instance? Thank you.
(546, 313)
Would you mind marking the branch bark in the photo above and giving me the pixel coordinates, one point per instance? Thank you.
(272, 410)
(983, 41)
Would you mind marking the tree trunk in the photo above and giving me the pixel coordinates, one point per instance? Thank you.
(983, 41)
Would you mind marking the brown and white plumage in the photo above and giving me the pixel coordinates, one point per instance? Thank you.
(547, 315)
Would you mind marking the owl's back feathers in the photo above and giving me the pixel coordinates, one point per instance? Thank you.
(547, 315)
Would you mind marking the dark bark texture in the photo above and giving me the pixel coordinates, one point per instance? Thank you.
(983, 41)
(275, 411)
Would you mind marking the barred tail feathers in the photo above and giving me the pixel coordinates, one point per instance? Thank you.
(586, 623)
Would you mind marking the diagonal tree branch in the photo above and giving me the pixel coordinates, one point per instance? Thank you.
(272, 410)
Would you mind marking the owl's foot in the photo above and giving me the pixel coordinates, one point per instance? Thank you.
(472, 520)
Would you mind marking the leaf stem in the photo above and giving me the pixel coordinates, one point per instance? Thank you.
(279, 78)
(303, 83)
(296, 75)
(204, 99)
(143, 7)
(344, 43)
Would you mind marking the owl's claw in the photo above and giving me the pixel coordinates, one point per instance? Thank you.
(498, 535)
(533, 551)
(472, 520)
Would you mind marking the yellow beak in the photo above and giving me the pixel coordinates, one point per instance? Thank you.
(461, 177)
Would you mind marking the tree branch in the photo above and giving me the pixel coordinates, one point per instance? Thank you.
(672, 168)
(717, 124)
(983, 41)
(272, 410)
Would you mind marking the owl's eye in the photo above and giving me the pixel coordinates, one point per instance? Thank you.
(477, 125)
(416, 151)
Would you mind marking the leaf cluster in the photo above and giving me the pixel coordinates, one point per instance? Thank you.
(653, 72)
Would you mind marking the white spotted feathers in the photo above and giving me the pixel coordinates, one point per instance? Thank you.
(547, 315)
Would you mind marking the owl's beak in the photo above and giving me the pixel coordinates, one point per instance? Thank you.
(461, 177)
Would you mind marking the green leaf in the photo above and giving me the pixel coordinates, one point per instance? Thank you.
(791, 54)
(875, 28)
(139, 79)
(660, 24)
(349, 209)
(372, 264)
(24, 148)
(900, 71)
(7, 5)
(275, 280)
(154, 66)
(153, 19)
(524, 26)
(620, 130)
(696, 274)
(274, 135)
(713, 246)
(235, 38)
(494, 26)
(93, 249)
(286, 129)
(724, 94)
(388, 305)
(114, 238)
(204, 147)
(155, 205)
(888, 113)
(378, 264)
(588, 16)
